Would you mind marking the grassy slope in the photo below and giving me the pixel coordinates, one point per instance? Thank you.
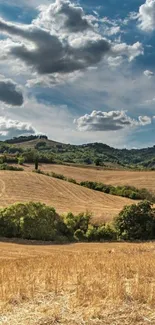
(64, 196)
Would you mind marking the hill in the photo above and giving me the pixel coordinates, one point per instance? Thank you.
(64, 196)
(139, 179)
(92, 154)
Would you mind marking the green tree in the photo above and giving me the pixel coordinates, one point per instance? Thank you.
(21, 160)
(136, 222)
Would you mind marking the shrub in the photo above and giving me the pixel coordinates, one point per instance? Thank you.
(106, 232)
(31, 221)
(136, 222)
(92, 233)
(79, 235)
(72, 180)
(125, 191)
(78, 222)
(59, 176)
(9, 167)
(21, 160)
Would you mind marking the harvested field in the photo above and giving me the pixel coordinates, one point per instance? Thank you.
(139, 179)
(78, 284)
(63, 196)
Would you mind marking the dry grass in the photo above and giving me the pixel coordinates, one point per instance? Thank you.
(139, 179)
(64, 196)
(77, 284)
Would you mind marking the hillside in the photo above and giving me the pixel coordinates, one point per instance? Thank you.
(139, 179)
(93, 154)
(64, 196)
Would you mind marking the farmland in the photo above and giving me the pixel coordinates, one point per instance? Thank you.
(77, 284)
(139, 179)
(64, 196)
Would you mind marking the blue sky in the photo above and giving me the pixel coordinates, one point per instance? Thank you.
(79, 71)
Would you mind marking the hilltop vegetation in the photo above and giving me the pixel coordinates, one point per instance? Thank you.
(97, 154)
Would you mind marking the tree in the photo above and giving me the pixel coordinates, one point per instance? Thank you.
(21, 160)
(36, 163)
(136, 222)
(98, 162)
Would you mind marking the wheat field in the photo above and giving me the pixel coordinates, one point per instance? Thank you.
(91, 284)
(63, 196)
(139, 179)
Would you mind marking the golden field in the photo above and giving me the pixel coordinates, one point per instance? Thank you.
(63, 196)
(77, 284)
(139, 179)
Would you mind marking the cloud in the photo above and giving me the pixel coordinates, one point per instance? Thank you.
(26, 3)
(146, 16)
(148, 73)
(63, 14)
(62, 40)
(49, 54)
(13, 128)
(109, 121)
(145, 120)
(131, 51)
(109, 31)
(10, 93)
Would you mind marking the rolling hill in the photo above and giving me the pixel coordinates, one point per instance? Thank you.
(90, 154)
(63, 196)
(139, 179)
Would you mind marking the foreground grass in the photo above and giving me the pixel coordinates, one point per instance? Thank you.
(78, 284)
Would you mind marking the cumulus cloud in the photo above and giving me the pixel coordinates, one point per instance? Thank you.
(148, 73)
(10, 93)
(13, 128)
(60, 41)
(131, 51)
(64, 15)
(109, 121)
(146, 16)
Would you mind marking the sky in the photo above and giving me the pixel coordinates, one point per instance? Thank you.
(78, 71)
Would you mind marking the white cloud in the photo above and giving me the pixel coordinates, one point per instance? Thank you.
(109, 31)
(131, 51)
(145, 120)
(61, 41)
(13, 128)
(109, 121)
(148, 73)
(146, 16)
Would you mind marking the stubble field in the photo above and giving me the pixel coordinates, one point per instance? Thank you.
(63, 196)
(91, 284)
(139, 179)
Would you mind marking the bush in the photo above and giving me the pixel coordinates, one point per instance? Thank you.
(72, 180)
(107, 233)
(9, 167)
(79, 235)
(136, 222)
(78, 222)
(21, 160)
(59, 176)
(124, 191)
(31, 221)
(92, 233)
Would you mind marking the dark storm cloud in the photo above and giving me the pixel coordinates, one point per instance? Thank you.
(9, 93)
